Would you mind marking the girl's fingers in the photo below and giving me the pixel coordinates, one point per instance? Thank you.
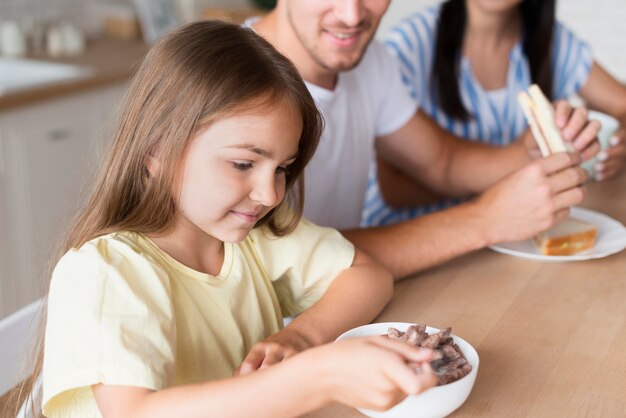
(288, 352)
(426, 377)
(253, 360)
(407, 379)
(405, 350)
(273, 356)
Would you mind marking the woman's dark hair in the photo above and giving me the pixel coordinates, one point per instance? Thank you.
(537, 23)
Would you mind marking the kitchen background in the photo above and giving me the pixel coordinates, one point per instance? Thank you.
(51, 135)
(599, 22)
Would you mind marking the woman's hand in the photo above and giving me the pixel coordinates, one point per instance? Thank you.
(577, 128)
(375, 372)
(611, 160)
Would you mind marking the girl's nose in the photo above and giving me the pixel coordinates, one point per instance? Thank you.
(349, 12)
(265, 191)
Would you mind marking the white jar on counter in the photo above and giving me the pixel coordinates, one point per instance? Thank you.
(72, 38)
(12, 39)
(54, 41)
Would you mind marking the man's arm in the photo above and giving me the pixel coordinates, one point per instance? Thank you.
(518, 207)
(456, 167)
(429, 154)
(399, 190)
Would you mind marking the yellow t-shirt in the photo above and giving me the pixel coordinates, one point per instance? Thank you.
(123, 312)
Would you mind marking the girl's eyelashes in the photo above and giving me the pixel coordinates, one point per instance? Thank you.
(246, 165)
(285, 168)
(242, 165)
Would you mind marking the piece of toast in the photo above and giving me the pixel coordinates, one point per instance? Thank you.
(567, 237)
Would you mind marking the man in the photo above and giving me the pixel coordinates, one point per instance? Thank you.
(358, 88)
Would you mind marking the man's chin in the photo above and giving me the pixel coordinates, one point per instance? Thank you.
(344, 65)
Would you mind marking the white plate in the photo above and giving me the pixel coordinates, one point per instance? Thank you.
(611, 239)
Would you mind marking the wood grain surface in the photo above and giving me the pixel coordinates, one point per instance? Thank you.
(551, 336)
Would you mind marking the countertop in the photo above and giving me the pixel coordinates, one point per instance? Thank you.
(111, 60)
(550, 336)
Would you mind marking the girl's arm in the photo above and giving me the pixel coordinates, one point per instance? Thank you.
(363, 372)
(354, 298)
(606, 94)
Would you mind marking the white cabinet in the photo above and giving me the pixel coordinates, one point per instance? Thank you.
(49, 153)
(4, 242)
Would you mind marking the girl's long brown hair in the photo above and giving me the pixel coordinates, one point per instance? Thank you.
(194, 75)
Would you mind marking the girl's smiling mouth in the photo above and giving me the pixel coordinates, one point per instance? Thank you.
(251, 217)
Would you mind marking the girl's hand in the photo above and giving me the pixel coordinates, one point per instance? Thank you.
(264, 354)
(611, 160)
(274, 349)
(372, 372)
(577, 129)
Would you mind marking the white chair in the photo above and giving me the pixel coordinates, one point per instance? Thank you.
(17, 336)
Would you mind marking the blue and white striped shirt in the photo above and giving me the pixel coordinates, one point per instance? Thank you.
(497, 117)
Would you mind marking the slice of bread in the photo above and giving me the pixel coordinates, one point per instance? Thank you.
(528, 107)
(567, 237)
(539, 113)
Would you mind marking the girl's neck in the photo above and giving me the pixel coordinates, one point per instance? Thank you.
(192, 248)
(491, 31)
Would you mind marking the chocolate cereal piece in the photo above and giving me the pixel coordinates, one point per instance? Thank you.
(448, 363)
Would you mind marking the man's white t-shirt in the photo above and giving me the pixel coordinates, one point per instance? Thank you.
(367, 102)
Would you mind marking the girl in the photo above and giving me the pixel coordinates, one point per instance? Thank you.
(191, 249)
(465, 61)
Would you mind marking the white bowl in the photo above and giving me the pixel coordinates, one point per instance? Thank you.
(435, 402)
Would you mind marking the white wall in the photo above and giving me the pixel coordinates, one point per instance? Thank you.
(599, 22)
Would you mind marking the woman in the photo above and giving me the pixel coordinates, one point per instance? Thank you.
(465, 61)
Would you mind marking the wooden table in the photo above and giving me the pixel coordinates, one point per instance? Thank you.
(551, 336)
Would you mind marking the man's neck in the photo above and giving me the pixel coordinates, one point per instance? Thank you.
(277, 30)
